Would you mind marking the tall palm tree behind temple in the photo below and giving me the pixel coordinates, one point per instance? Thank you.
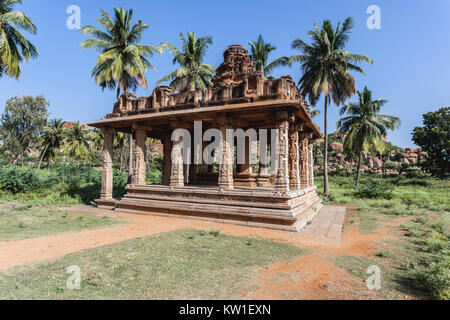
(122, 62)
(14, 47)
(193, 73)
(326, 66)
(365, 125)
(260, 51)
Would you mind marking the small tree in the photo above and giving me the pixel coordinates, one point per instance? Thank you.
(22, 123)
(366, 127)
(52, 138)
(76, 142)
(434, 138)
(384, 155)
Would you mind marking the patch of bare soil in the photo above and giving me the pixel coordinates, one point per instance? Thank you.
(310, 276)
(314, 276)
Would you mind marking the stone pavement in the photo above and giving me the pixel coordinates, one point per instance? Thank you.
(327, 224)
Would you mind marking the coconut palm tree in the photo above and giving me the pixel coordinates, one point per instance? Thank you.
(119, 145)
(326, 66)
(193, 73)
(260, 51)
(52, 139)
(97, 139)
(122, 62)
(77, 141)
(365, 125)
(14, 47)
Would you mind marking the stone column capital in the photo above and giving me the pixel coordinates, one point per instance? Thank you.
(224, 121)
(282, 115)
(108, 130)
(299, 127)
(178, 124)
(140, 127)
(306, 135)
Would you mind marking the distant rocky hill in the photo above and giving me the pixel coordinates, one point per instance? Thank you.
(371, 161)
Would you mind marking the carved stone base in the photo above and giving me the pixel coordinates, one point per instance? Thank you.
(256, 207)
(244, 180)
(106, 204)
(264, 180)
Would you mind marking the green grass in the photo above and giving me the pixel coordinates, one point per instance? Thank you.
(183, 264)
(417, 264)
(29, 221)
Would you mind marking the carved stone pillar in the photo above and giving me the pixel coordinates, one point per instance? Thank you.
(167, 160)
(130, 159)
(192, 169)
(106, 192)
(246, 168)
(203, 167)
(294, 154)
(226, 157)
(311, 164)
(304, 164)
(139, 155)
(282, 177)
(177, 172)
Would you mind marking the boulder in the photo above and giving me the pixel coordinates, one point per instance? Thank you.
(336, 146)
(377, 163)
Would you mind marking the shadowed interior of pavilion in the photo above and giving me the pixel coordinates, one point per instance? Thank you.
(247, 194)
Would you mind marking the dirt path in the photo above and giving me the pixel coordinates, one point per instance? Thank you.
(311, 276)
(15, 253)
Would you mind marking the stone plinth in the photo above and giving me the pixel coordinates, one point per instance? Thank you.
(256, 207)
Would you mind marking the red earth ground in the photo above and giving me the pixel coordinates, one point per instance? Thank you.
(311, 276)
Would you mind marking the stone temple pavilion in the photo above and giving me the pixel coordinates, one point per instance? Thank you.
(245, 194)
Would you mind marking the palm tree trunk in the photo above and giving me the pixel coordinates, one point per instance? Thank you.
(42, 157)
(358, 170)
(121, 160)
(326, 187)
(146, 157)
(130, 161)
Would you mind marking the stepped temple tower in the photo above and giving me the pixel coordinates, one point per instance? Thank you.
(249, 193)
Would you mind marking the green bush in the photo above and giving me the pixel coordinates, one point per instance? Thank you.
(373, 189)
(64, 182)
(22, 179)
(436, 278)
(404, 180)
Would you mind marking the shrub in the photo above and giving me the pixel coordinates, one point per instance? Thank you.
(436, 278)
(65, 183)
(22, 179)
(373, 189)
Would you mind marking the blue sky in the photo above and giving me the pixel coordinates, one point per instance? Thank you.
(411, 50)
